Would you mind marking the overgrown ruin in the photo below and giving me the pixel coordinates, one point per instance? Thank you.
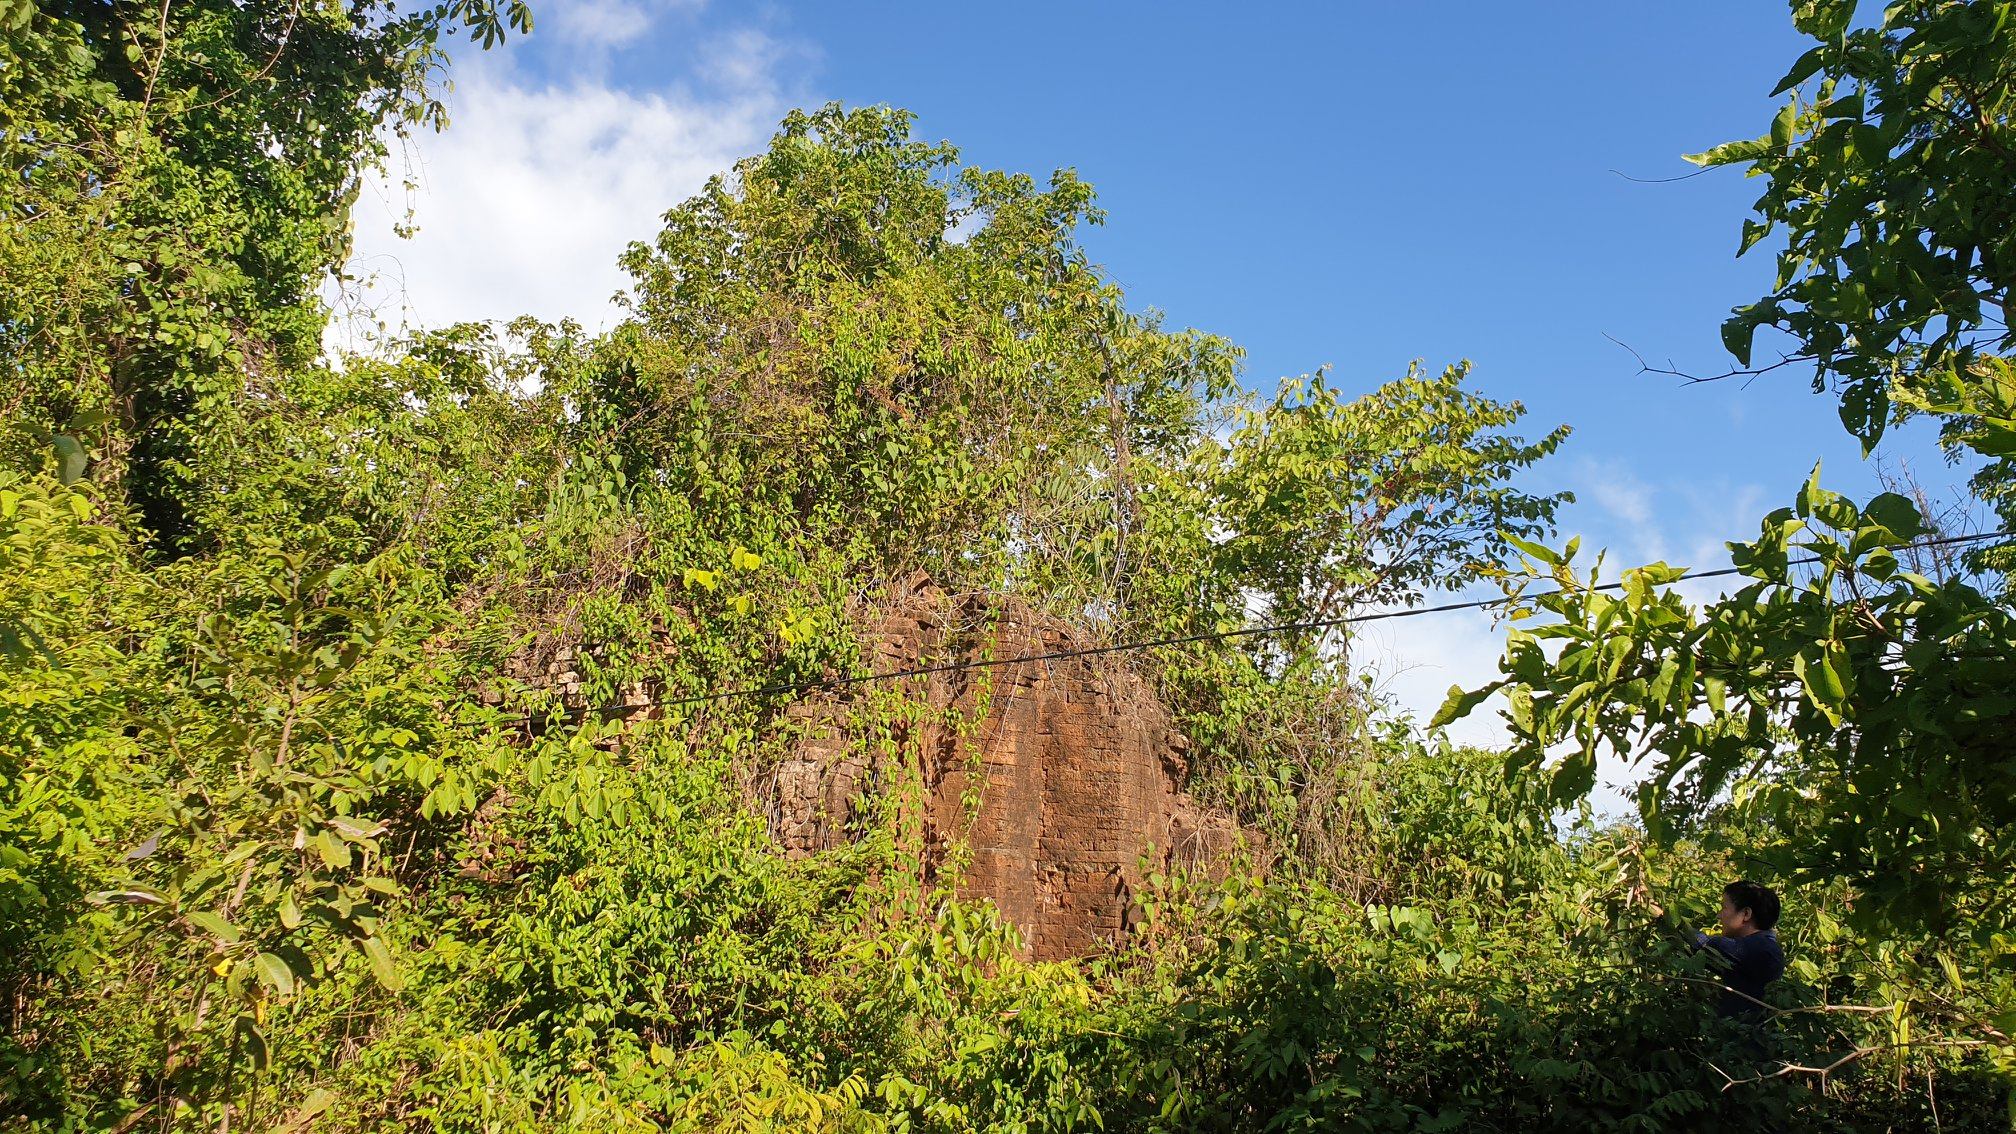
(1079, 769)
(1078, 766)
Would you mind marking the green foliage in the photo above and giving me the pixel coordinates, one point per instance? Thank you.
(813, 348)
(59, 771)
(1888, 173)
(1842, 712)
(1839, 719)
(1340, 504)
(296, 831)
(176, 189)
(1861, 700)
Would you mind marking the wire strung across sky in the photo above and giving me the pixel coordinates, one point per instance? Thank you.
(608, 712)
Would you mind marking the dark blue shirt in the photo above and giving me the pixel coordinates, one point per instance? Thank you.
(1754, 962)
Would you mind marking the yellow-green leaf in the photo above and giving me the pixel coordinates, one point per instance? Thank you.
(382, 967)
(274, 973)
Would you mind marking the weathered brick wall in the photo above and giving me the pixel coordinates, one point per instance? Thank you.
(1076, 764)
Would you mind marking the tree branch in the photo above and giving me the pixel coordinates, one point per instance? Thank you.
(1645, 367)
(1855, 1056)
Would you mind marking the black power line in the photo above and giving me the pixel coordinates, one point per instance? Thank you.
(617, 711)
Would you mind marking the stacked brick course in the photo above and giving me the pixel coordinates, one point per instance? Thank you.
(1074, 762)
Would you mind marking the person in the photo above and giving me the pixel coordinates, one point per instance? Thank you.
(1749, 940)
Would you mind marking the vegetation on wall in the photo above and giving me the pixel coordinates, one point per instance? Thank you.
(291, 837)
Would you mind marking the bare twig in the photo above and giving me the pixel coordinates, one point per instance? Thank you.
(160, 55)
(1854, 1056)
(1773, 1011)
(1691, 379)
(1666, 180)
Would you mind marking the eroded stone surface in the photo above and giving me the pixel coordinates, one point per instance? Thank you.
(1074, 768)
(1076, 764)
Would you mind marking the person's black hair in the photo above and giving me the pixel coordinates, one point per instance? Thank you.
(1755, 897)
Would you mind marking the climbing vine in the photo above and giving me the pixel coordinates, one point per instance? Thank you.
(383, 740)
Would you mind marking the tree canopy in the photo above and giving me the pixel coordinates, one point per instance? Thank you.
(178, 188)
(1845, 709)
(295, 835)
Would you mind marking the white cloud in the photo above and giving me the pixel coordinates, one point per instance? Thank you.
(523, 204)
(603, 23)
(746, 59)
(1416, 660)
(1619, 492)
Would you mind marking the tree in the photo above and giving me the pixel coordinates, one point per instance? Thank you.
(177, 183)
(1892, 180)
(1856, 707)
(1840, 719)
(893, 385)
(1891, 173)
(1890, 176)
(1334, 504)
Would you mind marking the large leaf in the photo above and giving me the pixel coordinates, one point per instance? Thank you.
(1460, 702)
(274, 973)
(382, 966)
(214, 924)
(71, 459)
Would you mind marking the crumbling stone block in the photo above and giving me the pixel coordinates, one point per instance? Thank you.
(1076, 765)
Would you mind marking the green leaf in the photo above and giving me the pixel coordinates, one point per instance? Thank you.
(1729, 153)
(1519, 702)
(1822, 19)
(356, 828)
(1811, 495)
(1823, 685)
(1992, 437)
(131, 895)
(1807, 66)
(274, 973)
(317, 1101)
(1739, 333)
(71, 459)
(1573, 777)
(334, 851)
(1896, 514)
(1459, 703)
(1534, 550)
(1865, 411)
(1683, 685)
(1783, 125)
(382, 967)
(1661, 688)
(253, 1040)
(214, 925)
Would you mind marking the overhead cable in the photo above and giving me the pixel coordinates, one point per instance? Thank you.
(823, 684)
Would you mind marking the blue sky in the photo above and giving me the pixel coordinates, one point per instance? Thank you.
(1347, 184)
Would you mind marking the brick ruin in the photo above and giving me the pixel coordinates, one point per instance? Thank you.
(1079, 770)
(1077, 765)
